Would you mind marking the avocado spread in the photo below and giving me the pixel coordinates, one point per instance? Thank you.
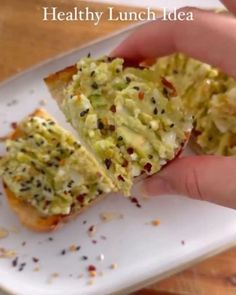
(210, 96)
(131, 120)
(49, 169)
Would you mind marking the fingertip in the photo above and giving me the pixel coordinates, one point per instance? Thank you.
(156, 186)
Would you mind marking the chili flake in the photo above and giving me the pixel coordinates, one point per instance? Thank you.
(121, 178)
(130, 150)
(113, 108)
(148, 167)
(112, 127)
(141, 95)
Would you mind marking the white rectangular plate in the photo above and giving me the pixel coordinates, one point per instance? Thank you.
(141, 251)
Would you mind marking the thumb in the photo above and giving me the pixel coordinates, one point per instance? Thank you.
(209, 178)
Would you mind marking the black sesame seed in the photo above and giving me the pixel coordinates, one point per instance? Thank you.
(84, 257)
(83, 113)
(163, 112)
(50, 239)
(92, 73)
(117, 71)
(172, 125)
(94, 85)
(165, 92)
(108, 163)
(89, 55)
(22, 265)
(15, 262)
(63, 252)
(100, 124)
(120, 138)
(155, 111)
(128, 80)
(153, 100)
(136, 88)
(35, 260)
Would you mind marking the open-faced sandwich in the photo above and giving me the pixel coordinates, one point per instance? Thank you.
(210, 96)
(133, 122)
(48, 176)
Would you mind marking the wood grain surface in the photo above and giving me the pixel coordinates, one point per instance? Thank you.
(26, 40)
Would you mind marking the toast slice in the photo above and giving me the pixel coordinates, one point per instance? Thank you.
(29, 165)
(132, 122)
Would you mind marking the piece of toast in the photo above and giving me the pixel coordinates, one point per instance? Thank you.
(28, 215)
(56, 84)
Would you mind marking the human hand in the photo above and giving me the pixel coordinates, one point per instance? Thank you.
(210, 38)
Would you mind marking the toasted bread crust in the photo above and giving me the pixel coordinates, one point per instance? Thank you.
(28, 215)
(58, 81)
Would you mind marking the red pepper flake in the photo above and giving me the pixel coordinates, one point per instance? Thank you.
(125, 163)
(148, 167)
(80, 198)
(112, 127)
(14, 125)
(141, 95)
(113, 108)
(169, 86)
(91, 268)
(121, 178)
(108, 163)
(130, 150)
(136, 202)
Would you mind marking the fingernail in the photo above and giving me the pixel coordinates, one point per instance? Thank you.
(156, 186)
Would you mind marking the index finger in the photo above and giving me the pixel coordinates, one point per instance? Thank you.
(210, 38)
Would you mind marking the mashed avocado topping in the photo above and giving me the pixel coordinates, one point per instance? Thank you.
(131, 120)
(49, 169)
(210, 96)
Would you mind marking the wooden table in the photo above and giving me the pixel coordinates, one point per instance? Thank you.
(26, 40)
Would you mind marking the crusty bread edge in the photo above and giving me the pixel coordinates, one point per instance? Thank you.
(27, 214)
